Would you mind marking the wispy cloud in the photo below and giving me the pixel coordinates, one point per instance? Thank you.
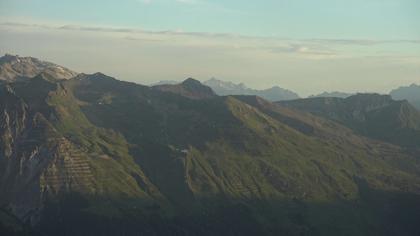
(304, 49)
(113, 29)
(308, 49)
(146, 56)
(364, 42)
(360, 42)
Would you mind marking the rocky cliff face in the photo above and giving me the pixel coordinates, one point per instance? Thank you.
(39, 161)
(36, 161)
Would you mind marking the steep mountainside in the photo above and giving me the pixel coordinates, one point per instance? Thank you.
(410, 93)
(372, 115)
(49, 148)
(276, 93)
(16, 68)
(94, 155)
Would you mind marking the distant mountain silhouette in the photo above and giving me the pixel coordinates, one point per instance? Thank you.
(410, 93)
(223, 88)
(334, 94)
(165, 82)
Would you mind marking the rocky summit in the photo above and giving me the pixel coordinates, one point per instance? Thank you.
(13, 67)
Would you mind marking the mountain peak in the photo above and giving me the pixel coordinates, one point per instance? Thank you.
(335, 94)
(224, 88)
(190, 88)
(100, 75)
(192, 81)
(14, 67)
(8, 58)
(410, 93)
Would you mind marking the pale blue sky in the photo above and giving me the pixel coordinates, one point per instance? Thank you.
(305, 45)
(374, 19)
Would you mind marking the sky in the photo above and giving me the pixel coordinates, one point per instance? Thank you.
(307, 46)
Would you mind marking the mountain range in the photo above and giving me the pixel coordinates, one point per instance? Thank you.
(335, 94)
(95, 155)
(223, 88)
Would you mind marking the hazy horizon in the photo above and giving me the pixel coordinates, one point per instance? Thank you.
(307, 47)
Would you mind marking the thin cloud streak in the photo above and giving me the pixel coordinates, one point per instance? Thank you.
(360, 42)
(148, 56)
(309, 49)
